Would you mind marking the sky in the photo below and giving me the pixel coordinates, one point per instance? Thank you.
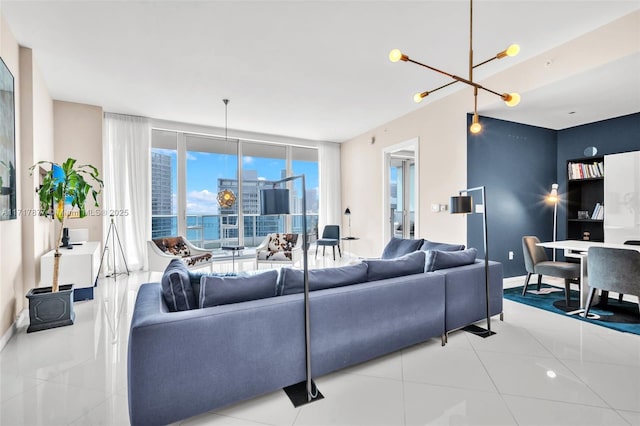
(204, 169)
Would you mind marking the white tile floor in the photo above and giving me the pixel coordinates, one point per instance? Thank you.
(539, 369)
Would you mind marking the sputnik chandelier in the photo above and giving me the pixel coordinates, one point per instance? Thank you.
(511, 99)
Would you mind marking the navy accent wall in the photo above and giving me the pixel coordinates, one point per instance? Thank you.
(517, 165)
(621, 134)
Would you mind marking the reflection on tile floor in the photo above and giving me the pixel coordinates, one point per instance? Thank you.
(539, 369)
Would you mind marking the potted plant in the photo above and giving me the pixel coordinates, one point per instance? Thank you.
(63, 184)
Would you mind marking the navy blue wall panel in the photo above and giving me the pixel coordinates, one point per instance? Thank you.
(517, 165)
(611, 136)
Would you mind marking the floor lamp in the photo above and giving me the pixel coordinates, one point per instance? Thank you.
(347, 213)
(275, 201)
(553, 198)
(464, 204)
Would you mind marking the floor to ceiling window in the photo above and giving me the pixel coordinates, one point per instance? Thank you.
(305, 161)
(164, 184)
(201, 166)
(211, 166)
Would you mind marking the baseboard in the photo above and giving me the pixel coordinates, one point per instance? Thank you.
(21, 320)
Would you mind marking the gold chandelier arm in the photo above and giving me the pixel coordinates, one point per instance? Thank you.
(485, 62)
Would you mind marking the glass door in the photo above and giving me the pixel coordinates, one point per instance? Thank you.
(402, 197)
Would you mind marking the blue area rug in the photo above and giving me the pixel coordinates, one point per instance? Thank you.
(618, 316)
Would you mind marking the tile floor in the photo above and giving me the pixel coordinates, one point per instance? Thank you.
(539, 369)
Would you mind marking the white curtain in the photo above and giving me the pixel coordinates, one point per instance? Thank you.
(330, 210)
(127, 188)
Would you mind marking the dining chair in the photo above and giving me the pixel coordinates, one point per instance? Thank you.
(537, 262)
(330, 237)
(621, 295)
(612, 269)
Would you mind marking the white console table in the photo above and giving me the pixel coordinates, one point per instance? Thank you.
(78, 266)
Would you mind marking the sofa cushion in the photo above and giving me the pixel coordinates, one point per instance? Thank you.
(379, 269)
(438, 259)
(195, 278)
(176, 287)
(397, 247)
(292, 280)
(216, 291)
(432, 245)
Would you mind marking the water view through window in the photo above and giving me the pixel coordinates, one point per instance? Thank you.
(210, 166)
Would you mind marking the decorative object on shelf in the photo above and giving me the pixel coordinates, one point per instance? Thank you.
(590, 151)
(463, 204)
(511, 99)
(583, 214)
(65, 183)
(275, 201)
(7, 144)
(554, 198)
(347, 212)
(226, 198)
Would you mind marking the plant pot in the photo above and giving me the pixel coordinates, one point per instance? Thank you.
(50, 310)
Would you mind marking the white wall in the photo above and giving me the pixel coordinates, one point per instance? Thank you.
(78, 134)
(36, 144)
(11, 288)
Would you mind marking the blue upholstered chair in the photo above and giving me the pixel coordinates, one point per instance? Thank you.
(537, 262)
(611, 269)
(330, 237)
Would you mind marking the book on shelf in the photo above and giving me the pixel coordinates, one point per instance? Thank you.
(598, 211)
(585, 170)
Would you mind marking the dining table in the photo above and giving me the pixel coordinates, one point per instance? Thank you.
(577, 249)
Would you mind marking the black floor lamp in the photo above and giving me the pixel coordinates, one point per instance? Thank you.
(464, 204)
(275, 201)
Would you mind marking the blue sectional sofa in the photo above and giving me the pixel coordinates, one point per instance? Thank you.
(189, 362)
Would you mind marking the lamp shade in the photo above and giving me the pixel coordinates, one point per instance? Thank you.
(347, 211)
(461, 204)
(274, 201)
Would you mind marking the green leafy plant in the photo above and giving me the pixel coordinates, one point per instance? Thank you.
(70, 184)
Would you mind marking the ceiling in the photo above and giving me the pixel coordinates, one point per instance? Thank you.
(309, 69)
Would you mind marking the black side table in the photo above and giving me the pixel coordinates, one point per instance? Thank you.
(233, 250)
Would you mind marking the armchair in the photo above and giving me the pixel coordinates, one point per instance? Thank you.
(279, 249)
(161, 251)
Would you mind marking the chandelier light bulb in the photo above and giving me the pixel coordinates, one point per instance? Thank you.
(396, 55)
(513, 50)
(418, 97)
(511, 99)
(476, 127)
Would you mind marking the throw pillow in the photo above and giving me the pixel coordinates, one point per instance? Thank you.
(292, 280)
(176, 287)
(397, 247)
(216, 291)
(437, 259)
(379, 269)
(195, 278)
(432, 245)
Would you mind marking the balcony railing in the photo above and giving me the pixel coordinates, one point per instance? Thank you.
(214, 231)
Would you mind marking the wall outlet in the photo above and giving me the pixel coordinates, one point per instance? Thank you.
(510, 255)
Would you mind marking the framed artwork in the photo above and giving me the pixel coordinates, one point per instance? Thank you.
(7, 144)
